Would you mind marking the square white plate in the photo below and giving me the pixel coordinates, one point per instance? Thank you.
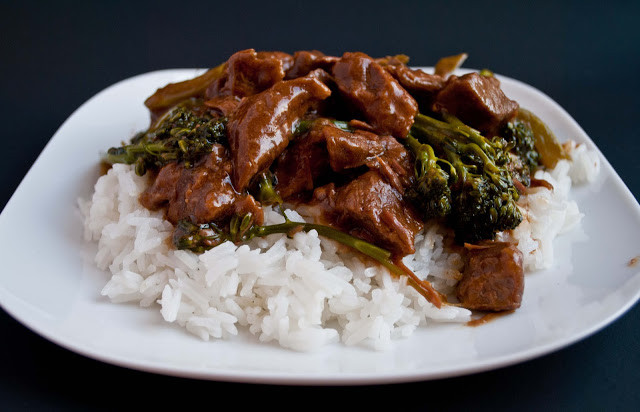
(50, 284)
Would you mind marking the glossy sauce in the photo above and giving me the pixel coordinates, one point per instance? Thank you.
(488, 317)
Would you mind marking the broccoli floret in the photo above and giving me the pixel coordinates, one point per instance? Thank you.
(431, 190)
(521, 143)
(482, 195)
(183, 134)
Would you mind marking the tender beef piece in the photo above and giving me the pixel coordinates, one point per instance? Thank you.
(493, 278)
(360, 125)
(348, 150)
(261, 126)
(223, 105)
(202, 193)
(326, 148)
(163, 188)
(249, 72)
(371, 209)
(423, 86)
(396, 164)
(478, 101)
(306, 61)
(285, 58)
(322, 150)
(388, 107)
(301, 164)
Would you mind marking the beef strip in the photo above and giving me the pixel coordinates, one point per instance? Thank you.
(388, 107)
(396, 164)
(303, 162)
(327, 148)
(371, 209)
(249, 72)
(478, 101)
(285, 58)
(493, 278)
(223, 105)
(305, 61)
(202, 193)
(261, 126)
(423, 86)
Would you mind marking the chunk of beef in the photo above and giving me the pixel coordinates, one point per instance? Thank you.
(478, 101)
(371, 209)
(348, 150)
(493, 278)
(423, 86)
(201, 194)
(327, 148)
(388, 107)
(261, 126)
(285, 58)
(396, 164)
(302, 163)
(223, 105)
(319, 152)
(306, 61)
(249, 72)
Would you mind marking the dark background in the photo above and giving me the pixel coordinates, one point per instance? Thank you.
(54, 55)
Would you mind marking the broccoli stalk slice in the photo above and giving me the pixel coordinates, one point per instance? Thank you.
(202, 237)
(267, 194)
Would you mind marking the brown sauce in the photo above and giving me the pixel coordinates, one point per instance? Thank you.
(487, 317)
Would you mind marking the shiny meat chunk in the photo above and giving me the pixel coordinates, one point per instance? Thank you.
(478, 101)
(396, 164)
(249, 72)
(223, 105)
(326, 148)
(349, 150)
(201, 194)
(261, 127)
(302, 163)
(370, 208)
(423, 86)
(388, 107)
(285, 58)
(493, 278)
(306, 61)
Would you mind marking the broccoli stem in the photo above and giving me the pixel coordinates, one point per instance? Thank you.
(241, 230)
(382, 256)
(130, 153)
(267, 194)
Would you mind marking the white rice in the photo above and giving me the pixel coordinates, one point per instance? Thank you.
(302, 292)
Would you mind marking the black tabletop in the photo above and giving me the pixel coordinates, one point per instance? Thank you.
(585, 55)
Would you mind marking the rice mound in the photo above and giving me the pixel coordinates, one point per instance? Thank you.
(302, 292)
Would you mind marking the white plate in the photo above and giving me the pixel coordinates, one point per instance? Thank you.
(49, 282)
